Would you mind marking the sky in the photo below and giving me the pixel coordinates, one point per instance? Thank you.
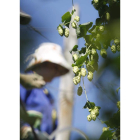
(46, 16)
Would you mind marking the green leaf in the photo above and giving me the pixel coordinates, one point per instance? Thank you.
(117, 90)
(66, 18)
(81, 60)
(98, 21)
(93, 29)
(83, 50)
(106, 135)
(74, 48)
(114, 121)
(73, 11)
(89, 39)
(89, 105)
(91, 62)
(82, 29)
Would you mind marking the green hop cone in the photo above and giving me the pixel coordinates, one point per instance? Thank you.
(89, 118)
(77, 18)
(93, 52)
(90, 76)
(66, 33)
(79, 91)
(101, 28)
(76, 80)
(83, 72)
(105, 129)
(74, 25)
(60, 30)
(95, 1)
(107, 16)
(75, 69)
(79, 74)
(75, 57)
(103, 53)
(116, 41)
(118, 104)
(118, 48)
(113, 48)
(94, 111)
(97, 36)
(93, 117)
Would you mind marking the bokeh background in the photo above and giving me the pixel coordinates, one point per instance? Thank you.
(46, 16)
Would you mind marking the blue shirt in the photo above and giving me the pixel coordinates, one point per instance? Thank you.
(37, 100)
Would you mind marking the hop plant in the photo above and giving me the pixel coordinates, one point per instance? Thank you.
(93, 117)
(118, 104)
(103, 53)
(93, 52)
(113, 48)
(60, 30)
(107, 16)
(118, 48)
(74, 25)
(105, 129)
(101, 28)
(66, 32)
(95, 111)
(77, 18)
(97, 36)
(90, 76)
(75, 57)
(89, 118)
(79, 91)
(83, 72)
(75, 69)
(76, 80)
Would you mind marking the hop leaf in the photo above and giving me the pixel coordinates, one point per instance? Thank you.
(83, 72)
(89, 118)
(90, 76)
(75, 69)
(105, 46)
(90, 68)
(118, 48)
(113, 48)
(101, 28)
(103, 53)
(75, 57)
(60, 30)
(77, 18)
(66, 32)
(74, 25)
(79, 91)
(105, 129)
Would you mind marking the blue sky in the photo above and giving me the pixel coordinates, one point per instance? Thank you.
(46, 16)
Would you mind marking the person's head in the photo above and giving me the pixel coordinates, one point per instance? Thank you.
(48, 61)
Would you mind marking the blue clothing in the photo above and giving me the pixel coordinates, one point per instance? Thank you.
(37, 100)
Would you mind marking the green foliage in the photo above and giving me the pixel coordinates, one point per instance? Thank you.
(74, 49)
(66, 18)
(106, 135)
(89, 105)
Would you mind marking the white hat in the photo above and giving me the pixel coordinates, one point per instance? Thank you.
(48, 52)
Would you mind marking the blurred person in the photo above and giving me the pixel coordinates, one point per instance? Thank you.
(32, 80)
(48, 62)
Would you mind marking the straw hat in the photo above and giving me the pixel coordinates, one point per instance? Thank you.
(49, 52)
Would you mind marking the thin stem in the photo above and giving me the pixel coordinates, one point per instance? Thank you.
(84, 88)
(72, 3)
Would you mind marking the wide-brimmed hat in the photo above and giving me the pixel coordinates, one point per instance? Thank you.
(51, 53)
(24, 18)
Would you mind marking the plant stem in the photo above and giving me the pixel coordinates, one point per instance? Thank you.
(84, 88)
